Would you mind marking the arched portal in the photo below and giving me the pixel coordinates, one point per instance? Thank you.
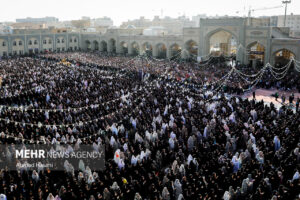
(283, 56)
(161, 50)
(191, 49)
(112, 45)
(124, 48)
(175, 51)
(3, 47)
(33, 46)
(17, 47)
(147, 49)
(222, 42)
(135, 48)
(103, 46)
(95, 45)
(256, 54)
(88, 45)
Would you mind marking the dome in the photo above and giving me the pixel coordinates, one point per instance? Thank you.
(130, 27)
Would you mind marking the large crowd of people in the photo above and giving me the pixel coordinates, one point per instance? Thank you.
(191, 72)
(174, 140)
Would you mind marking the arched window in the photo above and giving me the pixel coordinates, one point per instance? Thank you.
(71, 40)
(20, 43)
(58, 40)
(75, 40)
(15, 43)
(30, 42)
(3, 43)
(35, 42)
(45, 42)
(49, 41)
(62, 40)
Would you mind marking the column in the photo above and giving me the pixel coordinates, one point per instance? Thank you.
(201, 43)
(54, 42)
(25, 43)
(268, 53)
(119, 49)
(154, 51)
(168, 52)
(101, 46)
(129, 49)
(183, 54)
(9, 46)
(109, 46)
(40, 43)
(67, 42)
(241, 40)
(141, 51)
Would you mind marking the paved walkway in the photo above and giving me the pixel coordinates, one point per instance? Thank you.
(264, 94)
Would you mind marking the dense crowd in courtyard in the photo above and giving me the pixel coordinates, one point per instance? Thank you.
(177, 135)
(189, 71)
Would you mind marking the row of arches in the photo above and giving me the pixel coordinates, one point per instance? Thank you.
(158, 50)
(35, 41)
(19, 46)
(102, 46)
(217, 42)
(224, 42)
(255, 51)
(134, 48)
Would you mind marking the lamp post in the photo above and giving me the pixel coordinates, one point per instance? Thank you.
(286, 3)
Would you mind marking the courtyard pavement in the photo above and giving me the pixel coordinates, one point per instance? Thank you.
(265, 95)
